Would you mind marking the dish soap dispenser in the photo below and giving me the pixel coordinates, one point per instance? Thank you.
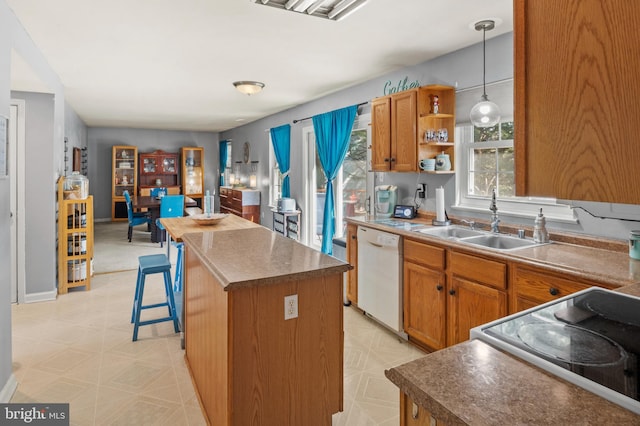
(540, 234)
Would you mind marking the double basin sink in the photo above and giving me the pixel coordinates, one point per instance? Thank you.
(491, 240)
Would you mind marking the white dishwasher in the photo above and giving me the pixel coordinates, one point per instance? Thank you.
(380, 277)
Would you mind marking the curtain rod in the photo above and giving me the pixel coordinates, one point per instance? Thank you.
(309, 118)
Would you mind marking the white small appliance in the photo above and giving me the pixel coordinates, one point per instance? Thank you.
(286, 205)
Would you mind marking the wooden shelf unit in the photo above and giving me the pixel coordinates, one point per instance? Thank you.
(75, 241)
(192, 172)
(124, 163)
(445, 119)
(287, 223)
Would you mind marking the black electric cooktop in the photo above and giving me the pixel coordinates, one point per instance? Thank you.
(590, 338)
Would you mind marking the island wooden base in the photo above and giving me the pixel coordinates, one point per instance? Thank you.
(252, 367)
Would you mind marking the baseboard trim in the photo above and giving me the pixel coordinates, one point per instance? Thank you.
(44, 296)
(8, 389)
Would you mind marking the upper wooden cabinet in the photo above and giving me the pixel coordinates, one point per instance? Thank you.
(576, 99)
(394, 132)
(400, 123)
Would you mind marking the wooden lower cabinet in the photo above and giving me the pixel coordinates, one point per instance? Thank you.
(424, 294)
(352, 258)
(447, 293)
(241, 202)
(477, 294)
(412, 414)
(531, 287)
(470, 304)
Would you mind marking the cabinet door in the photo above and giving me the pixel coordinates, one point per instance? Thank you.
(381, 134)
(424, 305)
(404, 122)
(576, 132)
(471, 304)
(532, 287)
(414, 415)
(352, 258)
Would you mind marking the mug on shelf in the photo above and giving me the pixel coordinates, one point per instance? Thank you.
(428, 164)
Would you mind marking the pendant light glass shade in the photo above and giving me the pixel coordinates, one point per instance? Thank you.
(485, 113)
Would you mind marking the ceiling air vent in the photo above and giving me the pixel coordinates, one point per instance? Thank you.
(334, 10)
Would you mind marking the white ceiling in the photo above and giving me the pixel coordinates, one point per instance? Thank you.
(170, 65)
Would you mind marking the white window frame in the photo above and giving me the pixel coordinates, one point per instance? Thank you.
(275, 177)
(521, 207)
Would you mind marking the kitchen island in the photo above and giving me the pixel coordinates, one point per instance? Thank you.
(248, 363)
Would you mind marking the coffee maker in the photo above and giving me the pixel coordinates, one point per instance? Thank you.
(385, 200)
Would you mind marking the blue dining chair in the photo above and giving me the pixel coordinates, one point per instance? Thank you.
(170, 206)
(135, 219)
(155, 192)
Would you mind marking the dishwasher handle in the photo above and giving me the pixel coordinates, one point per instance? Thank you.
(375, 244)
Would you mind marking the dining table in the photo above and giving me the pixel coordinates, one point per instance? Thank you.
(152, 204)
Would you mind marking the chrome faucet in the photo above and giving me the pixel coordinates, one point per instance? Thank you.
(494, 213)
(471, 223)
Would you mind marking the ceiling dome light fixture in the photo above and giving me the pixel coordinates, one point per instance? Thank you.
(485, 113)
(248, 87)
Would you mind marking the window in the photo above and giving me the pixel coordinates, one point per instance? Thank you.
(485, 161)
(350, 186)
(275, 177)
(491, 160)
(228, 170)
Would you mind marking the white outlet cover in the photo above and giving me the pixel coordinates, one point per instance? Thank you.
(291, 307)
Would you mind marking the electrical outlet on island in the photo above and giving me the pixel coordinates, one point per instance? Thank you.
(291, 307)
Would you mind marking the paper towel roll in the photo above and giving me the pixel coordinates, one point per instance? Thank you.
(440, 204)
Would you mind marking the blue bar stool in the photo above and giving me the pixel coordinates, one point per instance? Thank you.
(153, 264)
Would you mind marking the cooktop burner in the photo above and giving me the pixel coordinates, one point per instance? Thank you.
(571, 344)
(590, 338)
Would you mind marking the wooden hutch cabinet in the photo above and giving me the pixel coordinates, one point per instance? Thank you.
(192, 171)
(124, 177)
(159, 168)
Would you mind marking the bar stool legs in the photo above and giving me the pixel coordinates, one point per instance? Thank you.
(153, 264)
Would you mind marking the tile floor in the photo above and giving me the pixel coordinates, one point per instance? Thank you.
(78, 349)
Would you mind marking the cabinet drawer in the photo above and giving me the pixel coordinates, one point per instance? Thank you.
(541, 287)
(424, 254)
(481, 270)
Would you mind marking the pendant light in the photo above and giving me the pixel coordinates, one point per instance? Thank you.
(485, 113)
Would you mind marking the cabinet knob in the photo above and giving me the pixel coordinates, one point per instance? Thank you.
(553, 291)
(439, 287)
(353, 237)
(386, 160)
(393, 159)
(452, 292)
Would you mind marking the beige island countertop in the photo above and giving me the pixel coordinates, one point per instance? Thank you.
(263, 328)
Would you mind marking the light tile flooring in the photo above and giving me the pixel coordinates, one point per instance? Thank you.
(78, 349)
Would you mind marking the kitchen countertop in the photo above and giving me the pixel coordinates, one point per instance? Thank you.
(474, 384)
(258, 256)
(610, 267)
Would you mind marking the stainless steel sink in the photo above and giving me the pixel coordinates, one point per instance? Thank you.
(451, 232)
(499, 242)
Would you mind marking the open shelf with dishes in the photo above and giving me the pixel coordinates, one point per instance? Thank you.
(436, 123)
